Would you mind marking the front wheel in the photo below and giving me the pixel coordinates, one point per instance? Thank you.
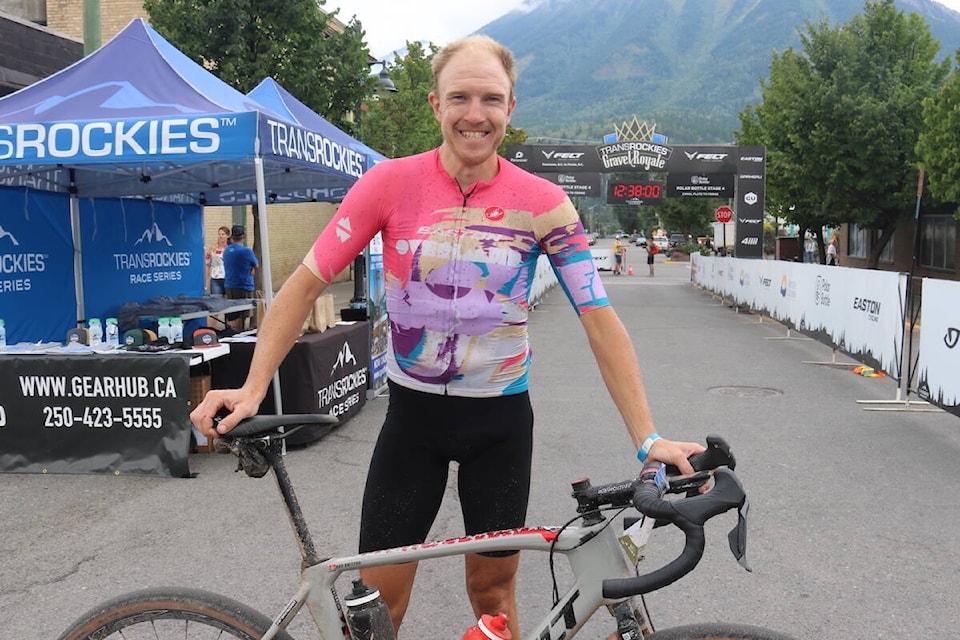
(167, 613)
(717, 631)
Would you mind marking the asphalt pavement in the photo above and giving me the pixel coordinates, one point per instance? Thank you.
(853, 529)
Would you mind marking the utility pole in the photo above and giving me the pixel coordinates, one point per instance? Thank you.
(91, 26)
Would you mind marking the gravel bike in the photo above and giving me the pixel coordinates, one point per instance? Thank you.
(604, 558)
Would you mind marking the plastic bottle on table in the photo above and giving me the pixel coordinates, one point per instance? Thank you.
(489, 628)
(367, 614)
(96, 331)
(112, 331)
(163, 328)
(176, 330)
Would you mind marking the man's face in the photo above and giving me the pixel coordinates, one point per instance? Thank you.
(473, 104)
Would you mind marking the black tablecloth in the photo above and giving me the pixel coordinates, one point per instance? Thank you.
(323, 373)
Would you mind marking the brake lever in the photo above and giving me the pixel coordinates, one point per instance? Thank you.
(738, 535)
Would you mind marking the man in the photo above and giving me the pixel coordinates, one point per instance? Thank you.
(462, 230)
(239, 265)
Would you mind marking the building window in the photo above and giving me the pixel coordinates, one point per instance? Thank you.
(857, 241)
(938, 242)
(887, 254)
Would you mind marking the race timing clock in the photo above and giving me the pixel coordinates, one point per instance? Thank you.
(634, 192)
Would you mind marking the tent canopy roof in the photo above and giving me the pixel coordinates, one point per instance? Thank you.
(138, 118)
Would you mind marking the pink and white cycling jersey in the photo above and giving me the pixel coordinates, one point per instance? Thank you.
(459, 267)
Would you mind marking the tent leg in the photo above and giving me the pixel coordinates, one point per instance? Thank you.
(77, 259)
(264, 238)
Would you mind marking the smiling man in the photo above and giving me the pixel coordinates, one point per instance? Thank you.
(462, 233)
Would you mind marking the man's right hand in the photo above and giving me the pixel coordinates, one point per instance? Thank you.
(237, 403)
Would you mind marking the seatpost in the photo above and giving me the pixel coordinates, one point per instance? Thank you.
(299, 524)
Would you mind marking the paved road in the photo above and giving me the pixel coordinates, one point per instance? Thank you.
(853, 532)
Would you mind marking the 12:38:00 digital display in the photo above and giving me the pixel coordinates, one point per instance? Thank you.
(630, 192)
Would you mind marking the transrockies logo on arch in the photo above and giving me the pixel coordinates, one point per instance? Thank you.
(635, 145)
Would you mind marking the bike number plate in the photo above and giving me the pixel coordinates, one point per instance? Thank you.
(634, 539)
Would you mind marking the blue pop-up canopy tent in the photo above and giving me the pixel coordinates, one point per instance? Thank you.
(139, 118)
(275, 97)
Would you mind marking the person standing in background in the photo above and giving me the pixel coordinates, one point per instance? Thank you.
(239, 264)
(618, 252)
(809, 249)
(214, 262)
(832, 255)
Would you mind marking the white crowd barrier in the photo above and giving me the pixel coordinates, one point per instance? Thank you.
(859, 312)
(938, 362)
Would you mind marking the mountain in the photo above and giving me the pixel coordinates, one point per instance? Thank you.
(690, 66)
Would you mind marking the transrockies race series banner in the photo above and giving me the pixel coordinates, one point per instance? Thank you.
(132, 250)
(76, 414)
(37, 296)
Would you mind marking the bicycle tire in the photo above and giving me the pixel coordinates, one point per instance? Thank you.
(718, 631)
(175, 612)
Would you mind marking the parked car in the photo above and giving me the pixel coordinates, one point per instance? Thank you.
(662, 242)
(676, 240)
(591, 239)
(640, 240)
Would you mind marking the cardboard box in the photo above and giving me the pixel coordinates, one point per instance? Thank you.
(322, 316)
(199, 385)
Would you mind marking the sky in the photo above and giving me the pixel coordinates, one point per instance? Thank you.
(389, 23)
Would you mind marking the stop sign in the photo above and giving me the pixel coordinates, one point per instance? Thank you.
(724, 214)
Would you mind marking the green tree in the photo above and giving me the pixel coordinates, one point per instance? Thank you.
(402, 123)
(689, 216)
(840, 120)
(513, 136)
(244, 41)
(939, 144)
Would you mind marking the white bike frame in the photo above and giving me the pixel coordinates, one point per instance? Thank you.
(593, 552)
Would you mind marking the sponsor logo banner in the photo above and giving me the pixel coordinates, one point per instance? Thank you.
(553, 158)
(575, 184)
(700, 185)
(701, 159)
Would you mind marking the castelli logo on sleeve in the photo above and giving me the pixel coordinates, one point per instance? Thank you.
(494, 213)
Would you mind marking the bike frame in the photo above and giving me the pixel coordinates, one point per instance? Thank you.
(593, 552)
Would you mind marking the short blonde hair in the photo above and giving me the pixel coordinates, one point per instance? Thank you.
(474, 43)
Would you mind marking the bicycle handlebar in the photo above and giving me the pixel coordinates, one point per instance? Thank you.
(689, 515)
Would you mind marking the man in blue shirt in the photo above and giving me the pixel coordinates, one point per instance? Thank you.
(239, 264)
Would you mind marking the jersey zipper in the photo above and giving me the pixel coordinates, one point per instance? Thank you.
(455, 283)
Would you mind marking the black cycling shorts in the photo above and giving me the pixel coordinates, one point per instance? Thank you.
(490, 438)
